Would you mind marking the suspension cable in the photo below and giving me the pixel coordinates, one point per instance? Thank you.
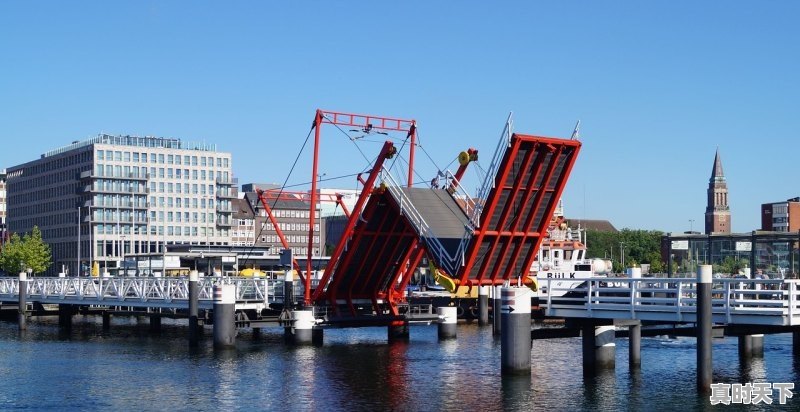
(348, 138)
(277, 197)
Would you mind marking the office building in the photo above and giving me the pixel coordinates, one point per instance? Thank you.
(291, 210)
(127, 194)
(781, 216)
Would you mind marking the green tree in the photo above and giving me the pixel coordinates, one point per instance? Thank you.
(11, 258)
(30, 251)
(640, 246)
(36, 252)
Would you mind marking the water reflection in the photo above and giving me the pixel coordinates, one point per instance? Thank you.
(127, 368)
(225, 390)
(517, 394)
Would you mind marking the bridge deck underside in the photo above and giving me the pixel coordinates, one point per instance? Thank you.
(529, 182)
(375, 257)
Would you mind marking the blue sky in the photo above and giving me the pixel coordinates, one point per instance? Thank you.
(658, 86)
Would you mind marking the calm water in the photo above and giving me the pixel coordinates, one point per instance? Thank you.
(127, 368)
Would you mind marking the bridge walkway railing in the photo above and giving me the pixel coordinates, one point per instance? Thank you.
(144, 291)
(734, 301)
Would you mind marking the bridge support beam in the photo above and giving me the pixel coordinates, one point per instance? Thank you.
(515, 338)
(398, 331)
(483, 305)
(704, 329)
(301, 331)
(635, 346)
(23, 301)
(194, 296)
(599, 348)
(496, 299)
(448, 317)
(224, 316)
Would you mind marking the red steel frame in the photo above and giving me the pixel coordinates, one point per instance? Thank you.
(273, 194)
(367, 123)
(499, 236)
(387, 152)
(371, 279)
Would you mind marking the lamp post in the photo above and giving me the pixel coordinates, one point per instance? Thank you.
(122, 254)
(691, 225)
(79, 240)
(622, 254)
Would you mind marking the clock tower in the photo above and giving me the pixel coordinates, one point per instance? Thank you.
(718, 214)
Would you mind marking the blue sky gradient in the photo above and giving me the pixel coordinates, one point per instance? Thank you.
(658, 86)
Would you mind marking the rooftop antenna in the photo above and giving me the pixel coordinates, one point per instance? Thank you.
(576, 132)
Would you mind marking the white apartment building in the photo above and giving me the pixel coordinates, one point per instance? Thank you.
(127, 194)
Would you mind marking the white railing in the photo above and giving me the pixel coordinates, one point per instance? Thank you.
(736, 301)
(162, 292)
(449, 263)
(461, 193)
(491, 172)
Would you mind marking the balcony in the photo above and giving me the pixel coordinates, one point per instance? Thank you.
(225, 223)
(225, 195)
(224, 208)
(134, 205)
(113, 219)
(89, 174)
(121, 190)
(227, 181)
(138, 176)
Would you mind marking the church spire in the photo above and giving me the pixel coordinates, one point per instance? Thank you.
(717, 175)
(718, 213)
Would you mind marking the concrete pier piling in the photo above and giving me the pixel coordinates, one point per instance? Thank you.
(483, 305)
(288, 290)
(757, 349)
(23, 301)
(796, 342)
(398, 331)
(194, 296)
(704, 329)
(515, 335)
(224, 316)
(635, 346)
(106, 320)
(496, 300)
(301, 329)
(155, 323)
(599, 348)
(448, 322)
(751, 346)
(65, 313)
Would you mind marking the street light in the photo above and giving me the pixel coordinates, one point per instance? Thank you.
(122, 253)
(622, 254)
